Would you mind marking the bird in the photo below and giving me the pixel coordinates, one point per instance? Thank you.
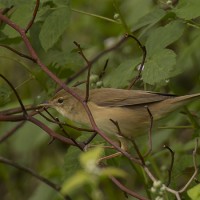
(128, 108)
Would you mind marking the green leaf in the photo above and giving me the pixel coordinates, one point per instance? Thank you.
(4, 95)
(65, 59)
(72, 164)
(194, 193)
(186, 56)
(91, 156)
(121, 76)
(74, 182)
(112, 171)
(159, 67)
(151, 18)
(54, 26)
(188, 9)
(163, 37)
(21, 17)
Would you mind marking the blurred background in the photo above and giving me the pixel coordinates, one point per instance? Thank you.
(169, 30)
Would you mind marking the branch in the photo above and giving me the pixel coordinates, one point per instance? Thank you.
(62, 123)
(34, 16)
(142, 63)
(17, 52)
(32, 173)
(171, 165)
(16, 94)
(96, 58)
(89, 70)
(52, 133)
(125, 189)
(11, 132)
(195, 168)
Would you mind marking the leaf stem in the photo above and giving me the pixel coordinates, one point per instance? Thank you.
(116, 5)
(95, 15)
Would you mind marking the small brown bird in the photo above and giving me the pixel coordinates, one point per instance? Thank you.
(127, 107)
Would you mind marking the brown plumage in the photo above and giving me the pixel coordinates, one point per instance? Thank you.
(127, 107)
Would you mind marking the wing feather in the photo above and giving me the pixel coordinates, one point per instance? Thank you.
(120, 97)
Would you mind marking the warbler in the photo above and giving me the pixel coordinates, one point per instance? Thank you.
(126, 107)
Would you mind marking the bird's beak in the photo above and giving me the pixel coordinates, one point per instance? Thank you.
(45, 104)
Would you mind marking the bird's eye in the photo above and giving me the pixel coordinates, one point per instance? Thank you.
(60, 100)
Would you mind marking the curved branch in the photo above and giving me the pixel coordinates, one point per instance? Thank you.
(16, 94)
(143, 60)
(11, 132)
(30, 171)
(125, 189)
(34, 16)
(17, 52)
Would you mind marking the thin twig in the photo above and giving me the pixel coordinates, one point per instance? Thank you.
(142, 62)
(104, 70)
(56, 120)
(64, 124)
(195, 168)
(11, 132)
(6, 10)
(126, 190)
(30, 171)
(18, 110)
(79, 83)
(16, 94)
(34, 16)
(34, 174)
(90, 138)
(17, 52)
(171, 164)
(65, 132)
(51, 133)
(130, 139)
(96, 58)
(89, 70)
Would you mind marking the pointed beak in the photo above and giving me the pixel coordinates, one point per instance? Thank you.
(45, 104)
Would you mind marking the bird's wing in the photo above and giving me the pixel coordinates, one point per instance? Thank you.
(119, 97)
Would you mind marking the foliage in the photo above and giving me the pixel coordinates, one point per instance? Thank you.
(170, 31)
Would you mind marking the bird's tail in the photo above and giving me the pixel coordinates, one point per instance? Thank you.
(181, 100)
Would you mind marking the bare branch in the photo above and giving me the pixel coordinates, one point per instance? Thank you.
(34, 16)
(63, 123)
(96, 58)
(16, 94)
(125, 189)
(52, 133)
(171, 164)
(65, 132)
(17, 52)
(90, 139)
(11, 132)
(30, 171)
(142, 63)
(195, 168)
(104, 70)
(89, 70)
